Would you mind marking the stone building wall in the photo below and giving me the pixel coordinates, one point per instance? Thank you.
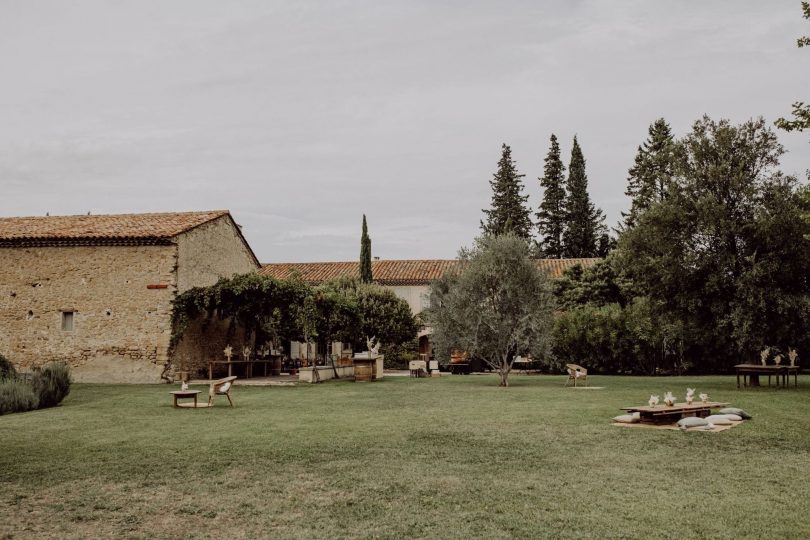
(206, 253)
(206, 340)
(121, 328)
(210, 251)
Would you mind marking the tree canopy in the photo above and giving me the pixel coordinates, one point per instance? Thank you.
(724, 254)
(551, 217)
(651, 175)
(496, 306)
(801, 111)
(584, 222)
(508, 212)
(365, 254)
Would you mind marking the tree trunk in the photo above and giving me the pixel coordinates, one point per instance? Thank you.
(504, 372)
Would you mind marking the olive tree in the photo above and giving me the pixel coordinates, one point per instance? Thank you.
(495, 306)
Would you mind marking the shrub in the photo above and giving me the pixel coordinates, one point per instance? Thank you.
(398, 356)
(7, 370)
(16, 396)
(51, 384)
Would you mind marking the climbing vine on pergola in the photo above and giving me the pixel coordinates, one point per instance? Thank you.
(281, 310)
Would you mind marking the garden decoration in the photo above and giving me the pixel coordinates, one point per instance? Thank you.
(669, 399)
(653, 401)
(372, 346)
(704, 398)
(777, 359)
(246, 353)
(763, 355)
(792, 355)
(228, 352)
(690, 395)
(183, 385)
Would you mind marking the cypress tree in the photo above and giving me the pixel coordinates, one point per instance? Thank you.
(584, 222)
(551, 217)
(651, 175)
(365, 255)
(508, 212)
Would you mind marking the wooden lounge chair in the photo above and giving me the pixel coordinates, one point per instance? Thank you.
(576, 373)
(221, 387)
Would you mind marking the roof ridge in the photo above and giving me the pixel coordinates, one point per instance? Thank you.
(128, 214)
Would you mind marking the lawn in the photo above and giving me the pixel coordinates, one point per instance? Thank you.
(403, 458)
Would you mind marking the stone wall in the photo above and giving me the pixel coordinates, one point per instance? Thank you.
(206, 340)
(206, 253)
(121, 328)
(210, 251)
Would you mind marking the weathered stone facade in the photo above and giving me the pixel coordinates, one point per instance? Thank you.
(119, 296)
(211, 250)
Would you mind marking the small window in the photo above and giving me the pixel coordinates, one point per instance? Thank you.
(67, 321)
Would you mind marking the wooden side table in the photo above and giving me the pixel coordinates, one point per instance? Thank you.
(183, 394)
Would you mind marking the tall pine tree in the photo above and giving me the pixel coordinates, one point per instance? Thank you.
(651, 175)
(551, 217)
(584, 222)
(365, 254)
(508, 212)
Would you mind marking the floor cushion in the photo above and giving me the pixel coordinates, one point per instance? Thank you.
(692, 421)
(735, 410)
(627, 419)
(718, 420)
(734, 417)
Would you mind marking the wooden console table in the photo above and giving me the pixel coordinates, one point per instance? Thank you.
(751, 372)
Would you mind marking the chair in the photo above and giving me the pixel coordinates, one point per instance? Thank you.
(416, 367)
(576, 373)
(221, 387)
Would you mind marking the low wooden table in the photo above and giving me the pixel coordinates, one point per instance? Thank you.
(183, 394)
(659, 414)
(751, 373)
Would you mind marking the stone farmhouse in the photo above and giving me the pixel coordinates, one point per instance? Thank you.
(96, 290)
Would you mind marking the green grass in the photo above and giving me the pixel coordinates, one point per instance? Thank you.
(402, 458)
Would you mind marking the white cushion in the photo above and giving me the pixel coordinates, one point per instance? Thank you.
(224, 388)
(579, 374)
(734, 417)
(735, 410)
(627, 419)
(718, 420)
(692, 421)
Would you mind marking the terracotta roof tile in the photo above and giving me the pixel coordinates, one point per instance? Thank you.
(397, 272)
(101, 229)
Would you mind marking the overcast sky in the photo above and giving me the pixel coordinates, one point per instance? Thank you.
(301, 116)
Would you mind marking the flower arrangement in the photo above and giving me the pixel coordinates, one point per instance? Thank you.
(690, 395)
(653, 401)
(704, 398)
(792, 355)
(669, 399)
(763, 355)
